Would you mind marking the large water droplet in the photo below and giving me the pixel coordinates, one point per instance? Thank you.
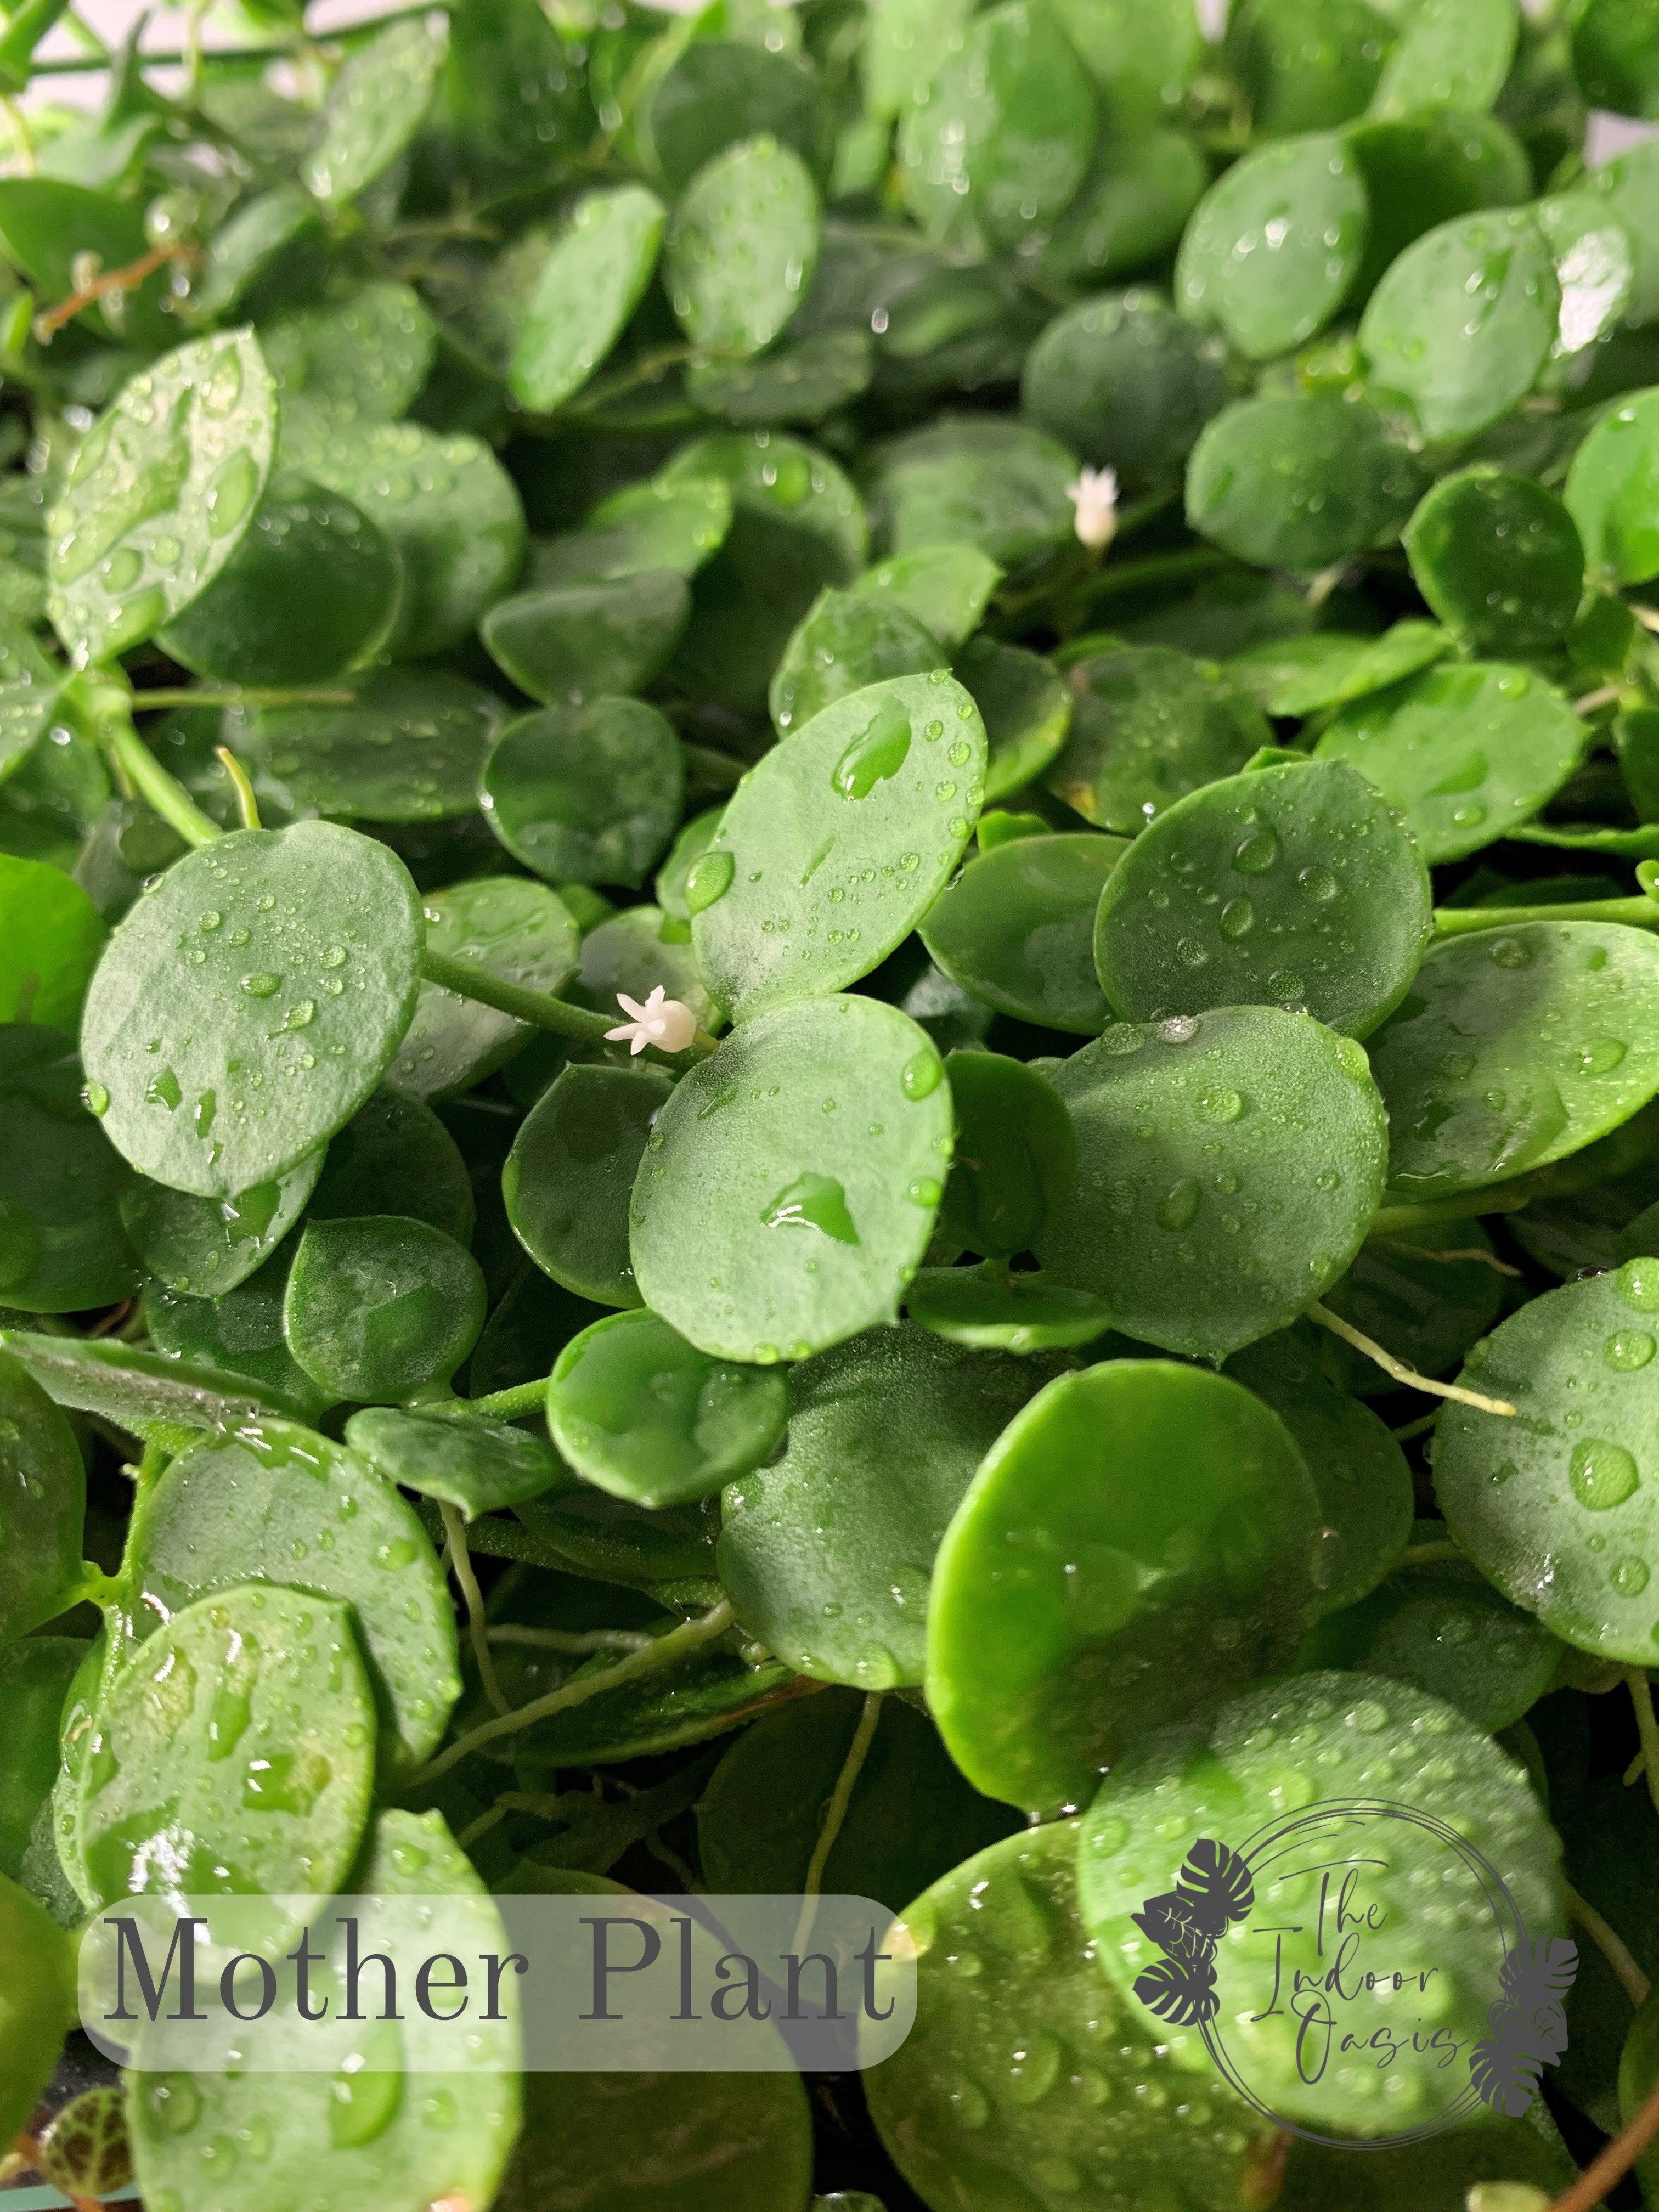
(812, 1201)
(1602, 1474)
(708, 880)
(1179, 1204)
(879, 753)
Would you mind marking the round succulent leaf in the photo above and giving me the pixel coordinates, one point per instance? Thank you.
(40, 2003)
(995, 1311)
(794, 1176)
(1273, 248)
(312, 589)
(35, 1673)
(1299, 482)
(51, 937)
(1015, 1155)
(244, 1010)
(742, 247)
(1463, 752)
(641, 1414)
(1499, 560)
(724, 86)
(1423, 170)
(1125, 383)
(203, 1247)
(250, 1707)
(982, 480)
(411, 2123)
(802, 381)
(237, 1336)
(1005, 132)
(827, 1552)
(159, 495)
(580, 641)
(1614, 57)
(270, 1499)
(1143, 58)
(367, 357)
(593, 277)
(381, 1307)
(846, 641)
(1328, 668)
(395, 1150)
(838, 843)
(444, 501)
(1025, 705)
(1293, 886)
(1439, 1627)
(1595, 268)
(1612, 489)
(475, 1465)
(519, 931)
(30, 688)
(1229, 1165)
(663, 523)
(587, 794)
(1515, 1048)
(1451, 53)
(691, 843)
(1359, 1472)
(1131, 210)
(62, 1246)
(376, 103)
(1016, 927)
(408, 748)
(1209, 1777)
(1149, 725)
(1627, 188)
(947, 587)
(569, 1175)
(43, 1489)
(1115, 2115)
(1463, 322)
(1128, 1504)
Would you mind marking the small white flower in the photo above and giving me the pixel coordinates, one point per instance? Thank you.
(1095, 497)
(661, 1021)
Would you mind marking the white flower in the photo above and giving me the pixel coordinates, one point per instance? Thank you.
(661, 1021)
(1095, 497)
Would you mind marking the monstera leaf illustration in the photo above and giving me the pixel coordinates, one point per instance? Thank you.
(1174, 1922)
(1218, 1883)
(1529, 2024)
(1505, 2076)
(1181, 1993)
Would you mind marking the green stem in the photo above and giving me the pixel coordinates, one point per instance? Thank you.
(1461, 921)
(247, 805)
(557, 1015)
(501, 1404)
(142, 701)
(22, 36)
(647, 370)
(1156, 569)
(108, 714)
(1466, 1205)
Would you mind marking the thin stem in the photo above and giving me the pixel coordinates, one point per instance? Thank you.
(247, 805)
(501, 1404)
(1615, 2162)
(480, 1827)
(228, 696)
(22, 133)
(835, 1813)
(1468, 1252)
(1463, 921)
(1156, 569)
(663, 1652)
(165, 793)
(1468, 1205)
(572, 1639)
(1641, 1696)
(1592, 700)
(460, 1559)
(1422, 1555)
(1399, 1370)
(1419, 1427)
(1612, 1945)
(1636, 1769)
(672, 1859)
(556, 1015)
(646, 370)
(126, 279)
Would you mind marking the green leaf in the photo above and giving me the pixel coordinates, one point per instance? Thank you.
(476, 1466)
(51, 936)
(203, 1247)
(380, 1307)
(1300, 483)
(1422, 170)
(250, 244)
(675, 523)
(1306, 65)
(366, 359)
(995, 1311)
(238, 1504)
(160, 495)
(1611, 491)
(1463, 322)
(646, 1416)
(1499, 560)
(1016, 1154)
(720, 88)
(568, 1178)
(1013, 1910)
(838, 843)
(1025, 705)
(409, 748)
(215, 1073)
(62, 1248)
(1039, 1674)
(35, 1674)
(742, 247)
(592, 280)
(142, 1391)
(586, 794)
(947, 587)
(1463, 752)
(510, 98)
(421, 2127)
(892, 1425)
(1132, 209)
(1143, 58)
(45, 222)
(796, 1173)
(30, 688)
(1515, 1048)
(1325, 668)
(1124, 382)
(1149, 725)
(375, 105)
(1452, 53)
(982, 480)
(1614, 58)
(1595, 268)
(1182, 1128)
(1017, 929)
(1291, 886)
(395, 1150)
(253, 1708)
(43, 1494)
(1274, 246)
(847, 640)
(801, 382)
(40, 2003)
(634, 951)
(579, 641)
(233, 1340)
(521, 932)
(1628, 188)
(312, 589)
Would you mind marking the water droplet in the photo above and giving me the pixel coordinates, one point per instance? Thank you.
(260, 985)
(1638, 1285)
(708, 880)
(812, 1201)
(1221, 1105)
(1257, 853)
(97, 1099)
(1237, 918)
(919, 1077)
(1629, 1576)
(1599, 1057)
(1510, 952)
(879, 753)
(1627, 1349)
(1602, 1474)
(1179, 1204)
(162, 1090)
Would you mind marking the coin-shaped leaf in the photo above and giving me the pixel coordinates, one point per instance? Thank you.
(1499, 560)
(1611, 488)
(380, 1307)
(1125, 383)
(586, 794)
(1300, 483)
(578, 641)
(1149, 725)
(43, 1489)
(1017, 929)
(1452, 53)
(569, 1176)
(521, 932)
(847, 640)
(409, 748)
(203, 1247)
(62, 1245)
(1274, 245)
(589, 284)
(476, 1465)
(375, 105)
(742, 247)
(1025, 705)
